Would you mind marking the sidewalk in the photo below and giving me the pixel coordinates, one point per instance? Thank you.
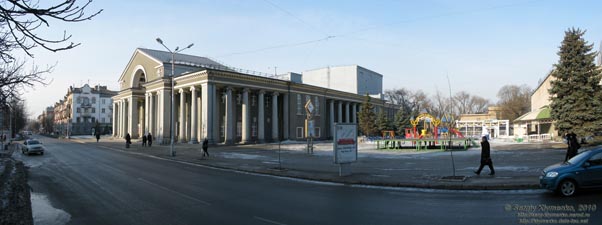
(518, 166)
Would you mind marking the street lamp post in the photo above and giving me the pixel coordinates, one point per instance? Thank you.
(172, 126)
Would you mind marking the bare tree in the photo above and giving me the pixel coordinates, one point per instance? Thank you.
(20, 21)
(514, 101)
(441, 105)
(462, 102)
(19, 26)
(478, 104)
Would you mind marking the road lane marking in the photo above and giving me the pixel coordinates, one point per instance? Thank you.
(176, 192)
(268, 221)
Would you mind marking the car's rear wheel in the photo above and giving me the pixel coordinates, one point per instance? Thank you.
(567, 188)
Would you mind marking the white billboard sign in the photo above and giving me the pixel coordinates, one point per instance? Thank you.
(345, 143)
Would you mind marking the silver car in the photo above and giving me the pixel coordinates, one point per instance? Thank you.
(32, 146)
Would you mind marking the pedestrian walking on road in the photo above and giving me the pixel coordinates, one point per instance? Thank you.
(97, 137)
(143, 140)
(128, 140)
(149, 139)
(573, 146)
(205, 146)
(485, 157)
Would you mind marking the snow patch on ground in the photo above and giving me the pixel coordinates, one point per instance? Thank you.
(44, 213)
(241, 156)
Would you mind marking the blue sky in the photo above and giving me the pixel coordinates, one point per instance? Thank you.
(480, 45)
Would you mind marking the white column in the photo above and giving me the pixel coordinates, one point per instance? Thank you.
(182, 123)
(261, 117)
(187, 116)
(133, 121)
(246, 115)
(193, 116)
(146, 113)
(331, 106)
(340, 113)
(285, 120)
(114, 120)
(151, 112)
(165, 119)
(199, 129)
(229, 122)
(216, 113)
(207, 115)
(347, 113)
(118, 119)
(354, 113)
(275, 116)
(122, 118)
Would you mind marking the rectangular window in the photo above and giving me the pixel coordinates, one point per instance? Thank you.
(253, 100)
(317, 132)
(93, 110)
(307, 98)
(103, 110)
(93, 100)
(268, 100)
(299, 103)
(300, 133)
(317, 106)
(93, 120)
(102, 120)
(78, 119)
(79, 110)
(103, 101)
(254, 127)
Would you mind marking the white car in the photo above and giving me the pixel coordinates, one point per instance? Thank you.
(32, 146)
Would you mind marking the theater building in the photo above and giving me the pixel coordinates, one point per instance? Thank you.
(230, 106)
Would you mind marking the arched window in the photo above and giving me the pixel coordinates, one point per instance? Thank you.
(142, 79)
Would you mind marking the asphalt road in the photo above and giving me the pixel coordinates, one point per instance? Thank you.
(96, 185)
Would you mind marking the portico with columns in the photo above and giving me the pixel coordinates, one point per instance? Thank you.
(220, 105)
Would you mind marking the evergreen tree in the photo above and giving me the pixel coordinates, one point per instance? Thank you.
(574, 91)
(367, 118)
(382, 121)
(402, 120)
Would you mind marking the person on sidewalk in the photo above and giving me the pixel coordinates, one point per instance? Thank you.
(485, 157)
(143, 140)
(97, 137)
(149, 138)
(573, 146)
(128, 140)
(205, 146)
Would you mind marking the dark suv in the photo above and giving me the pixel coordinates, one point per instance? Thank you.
(580, 172)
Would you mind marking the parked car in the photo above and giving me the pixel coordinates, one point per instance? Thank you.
(584, 171)
(32, 146)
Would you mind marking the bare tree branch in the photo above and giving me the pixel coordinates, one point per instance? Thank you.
(20, 19)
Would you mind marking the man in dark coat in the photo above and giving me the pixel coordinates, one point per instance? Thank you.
(205, 146)
(573, 146)
(149, 138)
(97, 136)
(485, 157)
(128, 140)
(143, 140)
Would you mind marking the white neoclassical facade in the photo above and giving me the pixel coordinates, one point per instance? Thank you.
(224, 106)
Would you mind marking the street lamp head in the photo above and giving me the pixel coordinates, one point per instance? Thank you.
(176, 49)
(190, 45)
(159, 40)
